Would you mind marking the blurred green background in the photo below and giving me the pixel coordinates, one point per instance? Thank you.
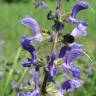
(11, 30)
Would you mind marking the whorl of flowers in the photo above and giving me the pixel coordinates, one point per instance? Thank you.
(70, 51)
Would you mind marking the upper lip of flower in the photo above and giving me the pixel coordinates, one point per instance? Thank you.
(33, 24)
(73, 54)
(81, 5)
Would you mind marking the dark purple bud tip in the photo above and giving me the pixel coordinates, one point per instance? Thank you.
(68, 38)
(81, 5)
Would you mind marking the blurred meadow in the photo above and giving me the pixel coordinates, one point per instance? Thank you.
(11, 54)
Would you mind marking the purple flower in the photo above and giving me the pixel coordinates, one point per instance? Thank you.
(43, 5)
(80, 30)
(26, 41)
(69, 39)
(52, 69)
(72, 55)
(81, 5)
(67, 65)
(33, 24)
(68, 86)
(32, 50)
(74, 52)
(74, 70)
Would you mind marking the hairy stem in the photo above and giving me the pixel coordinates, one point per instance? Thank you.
(43, 88)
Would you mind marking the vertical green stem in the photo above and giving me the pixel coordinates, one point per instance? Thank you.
(9, 77)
